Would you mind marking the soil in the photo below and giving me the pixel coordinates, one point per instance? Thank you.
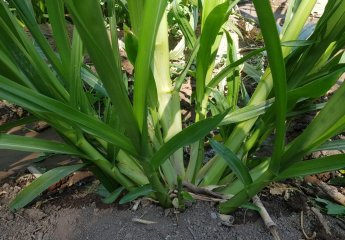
(78, 213)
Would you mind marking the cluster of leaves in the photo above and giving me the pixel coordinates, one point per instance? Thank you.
(136, 142)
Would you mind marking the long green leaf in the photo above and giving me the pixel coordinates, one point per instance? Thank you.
(29, 144)
(153, 12)
(331, 145)
(189, 135)
(310, 167)
(57, 20)
(23, 8)
(135, 9)
(184, 25)
(113, 196)
(229, 69)
(329, 122)
(247, 112)
(206, 55)
(235, 164)
(93, 33)
(138, 192)
(39, 103)
(93, 81)
(32, 191)
(277, 66)
(25, 120)
(262, 91)
(182, 77)
(19, 48)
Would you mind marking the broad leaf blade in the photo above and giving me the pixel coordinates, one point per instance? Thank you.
(184, 25)
(247, 112)
(189, 135)
(235, 164)
(25, 120)
(113, 196)
(138, 192)
(32, 191)
(331, 145)
(152, 16)
(28, 144)
(309, 167)
(94, 35)
(36, 102)
(214, 16)
(277, 66)
(329, 122)
(57, 20)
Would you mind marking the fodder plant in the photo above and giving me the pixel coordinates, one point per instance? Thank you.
(134, 143)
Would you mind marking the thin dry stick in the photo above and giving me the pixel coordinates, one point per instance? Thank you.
(272, 226)
(322, 220)
(303, 231)
(206, 198)
(329, 190)
(191, 232)
(203, 191)
(143, 221)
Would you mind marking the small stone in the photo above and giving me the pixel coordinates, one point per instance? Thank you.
(5, 186)
(213, 215)
(166, 212)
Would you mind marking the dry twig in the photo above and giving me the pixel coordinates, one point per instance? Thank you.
(191, 232)
(272, 226)
(206, 198)
(203, 191)
(143, 221)
(303, 231)
(329, 190)
(322, 220)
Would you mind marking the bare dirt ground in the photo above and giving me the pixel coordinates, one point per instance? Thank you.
(78, 213)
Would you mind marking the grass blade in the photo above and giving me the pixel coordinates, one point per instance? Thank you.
(235, 164)
(184, 24)
(57, 20)
(187, 136)
(138, 192)
(40, 184)
(153, 13)
(331, 145)
(93, 33)
(113, 196)
(277, 66)
(247, 112)
(25, 120)
(28, 144)
(315, 166)
(36, 102)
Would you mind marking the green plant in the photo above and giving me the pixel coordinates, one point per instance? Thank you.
(136, 142)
